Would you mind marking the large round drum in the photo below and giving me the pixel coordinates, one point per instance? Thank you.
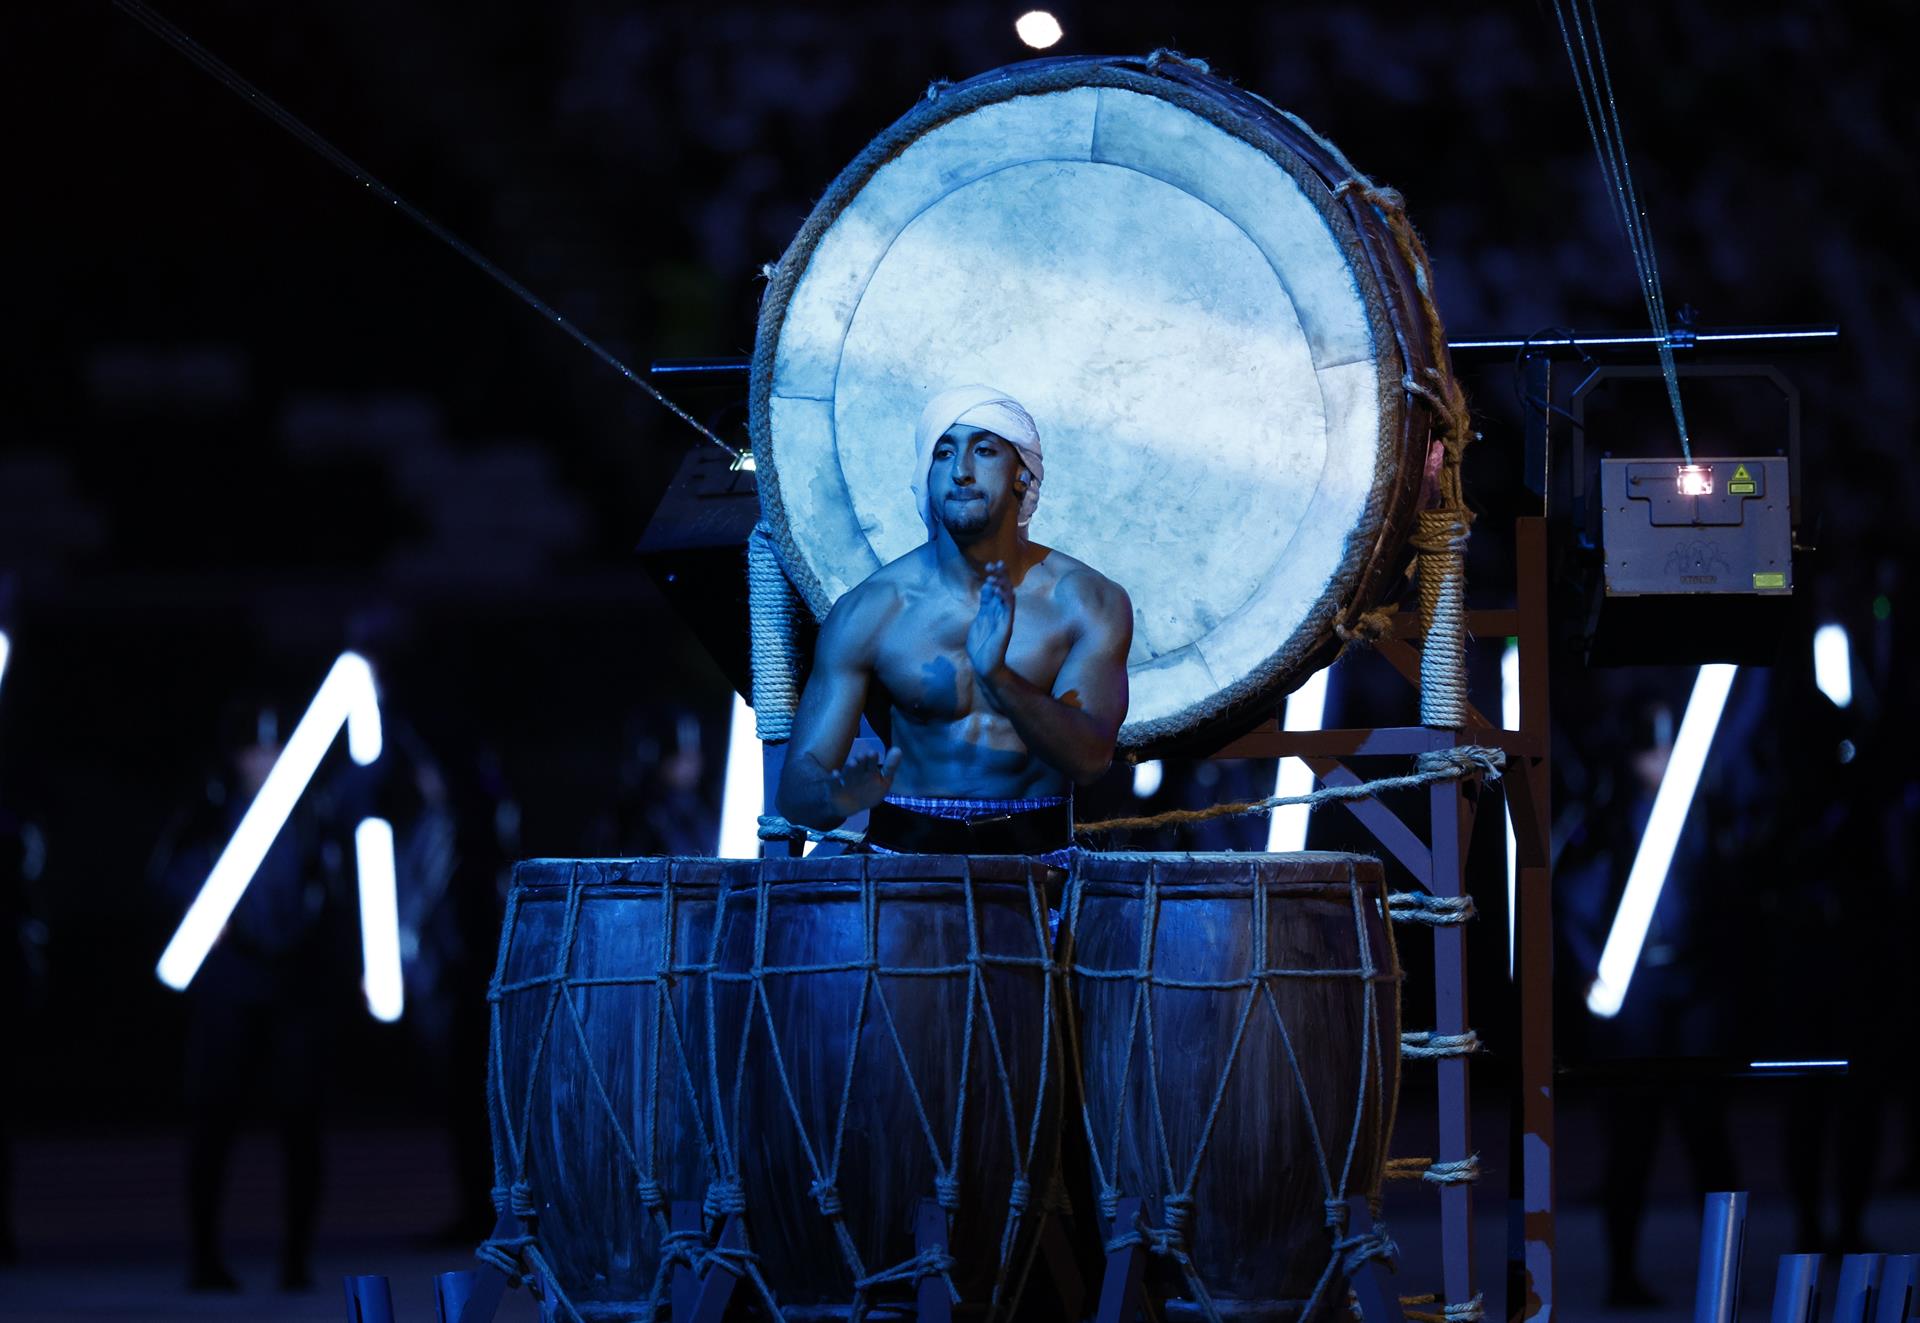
(1235, 1036)
(1212, 335)
(834, 1051)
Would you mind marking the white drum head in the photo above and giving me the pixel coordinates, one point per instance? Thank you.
(1213, 374)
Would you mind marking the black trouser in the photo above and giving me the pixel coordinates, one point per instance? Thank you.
(249, 1038)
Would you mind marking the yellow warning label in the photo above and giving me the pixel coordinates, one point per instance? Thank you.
(1773, 580)
(1741, 483)
(1741, 475)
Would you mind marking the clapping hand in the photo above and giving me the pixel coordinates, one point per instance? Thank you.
(992, 626)
(863, 782)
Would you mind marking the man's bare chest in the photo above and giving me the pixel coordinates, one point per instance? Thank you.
(923, 662)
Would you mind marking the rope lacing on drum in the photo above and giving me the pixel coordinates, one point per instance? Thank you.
(1433, 1171)
(1166, 55)
(1175, 1185)
(1423, 1045)
(872, 1008)
(1467, 1311)
(1423, 907)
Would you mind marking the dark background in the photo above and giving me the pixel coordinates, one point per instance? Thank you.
(249, 417)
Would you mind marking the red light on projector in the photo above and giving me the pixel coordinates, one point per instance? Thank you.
(1696, 479)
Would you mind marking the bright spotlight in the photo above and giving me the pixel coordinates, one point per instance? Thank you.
(346, 698)
(1510, 720)
(1306, 709)
(379, 918)
(1649, 872)
(743, 792)
(1038, 28)
(1833, 664)
(6, 651)
(1147, 777)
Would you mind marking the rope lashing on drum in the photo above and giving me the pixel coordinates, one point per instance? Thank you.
(1448, 765)
(1165, 55)
(1440, 533)
(1367, 629)
(221, 72)
(521, 1257)
(773, 610)
(1424, 1045)
(823, 1152)
(1433, 1171)
(1593, 82)
(1177, 1179)
(1423, 907)
(1468, 1311)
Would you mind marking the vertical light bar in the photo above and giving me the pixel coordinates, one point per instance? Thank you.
(6, 651)
(1833, 664)
(1650, 863)
(743, 792)
(379, 918)
(1510, 720)
(1306, 709)
(346, 697)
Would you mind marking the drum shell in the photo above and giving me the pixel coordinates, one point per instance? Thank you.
(1258, 1232)
(577, 1096)
(818, 914)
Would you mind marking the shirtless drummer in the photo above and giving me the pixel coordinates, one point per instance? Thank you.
(1004, 662)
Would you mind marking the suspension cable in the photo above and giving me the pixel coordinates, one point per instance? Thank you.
(1593, 81)
(326, 151)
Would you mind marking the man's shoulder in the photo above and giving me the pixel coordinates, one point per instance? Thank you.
(1086, 589)
(880, 593)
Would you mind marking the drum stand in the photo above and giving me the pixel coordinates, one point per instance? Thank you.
(1438, 865)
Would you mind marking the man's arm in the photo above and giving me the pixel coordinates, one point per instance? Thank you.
(1074, 727)
(815, 789)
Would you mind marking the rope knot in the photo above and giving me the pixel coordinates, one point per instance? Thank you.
(827, 1195)
(1164, 55)
(1368, 628)
(724, 1198)
(1336, 1215)
(1176, 1211)
(1018, 1196)
(516, 1198)
(768, 270)
(651, 1195)
(1109, 1202)
(938, 88)
(946, 1188)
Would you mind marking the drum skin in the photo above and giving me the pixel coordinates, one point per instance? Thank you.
(580, 1139)
(1257, 1234)
(888, 1163)
(1213, 336)
(760, 1100)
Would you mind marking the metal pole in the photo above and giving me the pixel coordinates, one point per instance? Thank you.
(1723, 1243)
(369, 1300)
(451, 1290)
(1899, 1289)
(1854, 1297)
(1796, 1292)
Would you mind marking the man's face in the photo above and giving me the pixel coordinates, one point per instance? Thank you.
(974, 480)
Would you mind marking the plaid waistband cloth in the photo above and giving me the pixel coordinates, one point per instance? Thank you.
(944, 806)
(939, 806)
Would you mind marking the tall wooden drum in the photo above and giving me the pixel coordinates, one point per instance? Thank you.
(600, 1076)
(1235, 1040)
(894, 1044)
(1207, 312)
(827, 1052)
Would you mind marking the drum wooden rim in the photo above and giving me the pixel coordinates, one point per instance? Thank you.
(1371, 555)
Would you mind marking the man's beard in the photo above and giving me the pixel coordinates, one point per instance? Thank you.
(965, 518)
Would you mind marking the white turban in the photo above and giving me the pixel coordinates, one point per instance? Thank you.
(977, 406)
